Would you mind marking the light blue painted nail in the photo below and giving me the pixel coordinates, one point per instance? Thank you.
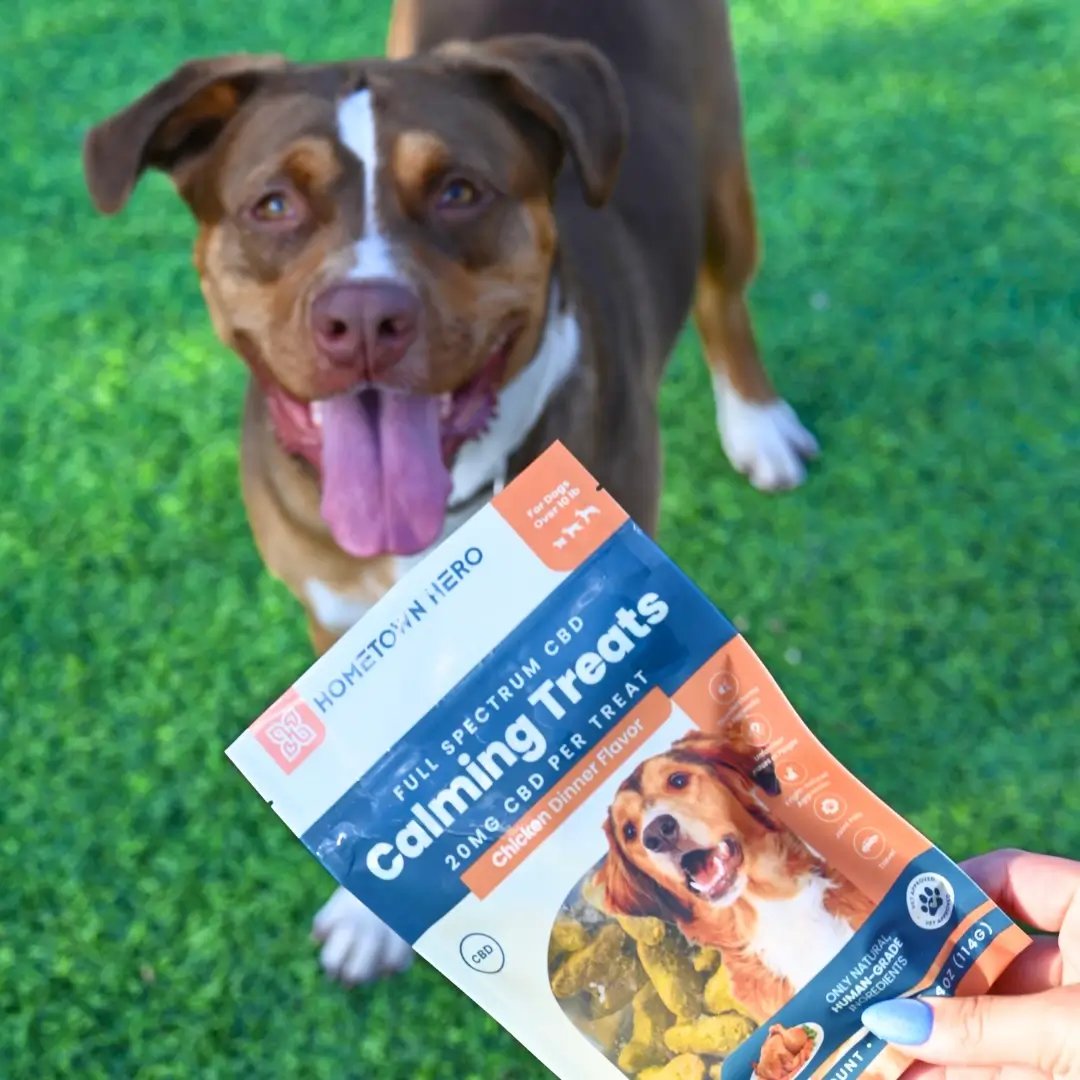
(905, 1021)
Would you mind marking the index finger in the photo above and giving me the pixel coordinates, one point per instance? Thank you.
(1037, 889)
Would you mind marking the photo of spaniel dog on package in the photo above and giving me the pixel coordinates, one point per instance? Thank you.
(691, 842)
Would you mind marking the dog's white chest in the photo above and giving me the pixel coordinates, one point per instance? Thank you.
(796, 938)
(484, 460)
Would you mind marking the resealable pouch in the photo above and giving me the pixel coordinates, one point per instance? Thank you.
(556, 769)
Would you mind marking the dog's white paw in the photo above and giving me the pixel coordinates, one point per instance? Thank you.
(357, 945)
(767, 443)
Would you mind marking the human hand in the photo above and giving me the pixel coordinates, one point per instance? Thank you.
(1030, 1025)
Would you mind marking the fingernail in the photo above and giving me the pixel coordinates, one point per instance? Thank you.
(905, 1021)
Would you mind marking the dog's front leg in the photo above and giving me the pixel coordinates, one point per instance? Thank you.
(357, 946)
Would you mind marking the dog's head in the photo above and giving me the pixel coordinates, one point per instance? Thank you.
(685, 827)
(376, 240)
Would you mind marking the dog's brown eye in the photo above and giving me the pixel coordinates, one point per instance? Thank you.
(458, 193)
(629, 832)
(274, 208)
(678, 780)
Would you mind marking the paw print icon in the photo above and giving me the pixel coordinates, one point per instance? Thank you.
(930, 900)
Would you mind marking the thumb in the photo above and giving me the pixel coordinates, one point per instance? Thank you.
(1039, 1031)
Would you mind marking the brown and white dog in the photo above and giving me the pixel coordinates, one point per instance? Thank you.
(691, 842)
(426, 297)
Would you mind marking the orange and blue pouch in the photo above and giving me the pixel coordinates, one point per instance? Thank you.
(554, 767)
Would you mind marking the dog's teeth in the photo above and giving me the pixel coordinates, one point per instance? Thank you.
(316, 413)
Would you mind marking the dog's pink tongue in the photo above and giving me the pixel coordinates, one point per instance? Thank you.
(711, 872)
(384, 484)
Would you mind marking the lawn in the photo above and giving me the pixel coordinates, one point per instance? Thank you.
(917, 167)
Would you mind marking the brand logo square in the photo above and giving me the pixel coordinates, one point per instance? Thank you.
(289, 731)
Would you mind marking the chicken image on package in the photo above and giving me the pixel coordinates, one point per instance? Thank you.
(557, 770)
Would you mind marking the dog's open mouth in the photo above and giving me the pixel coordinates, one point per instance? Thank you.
(384, 454)
(711, 872)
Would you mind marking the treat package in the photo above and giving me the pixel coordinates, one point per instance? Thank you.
(550, 763)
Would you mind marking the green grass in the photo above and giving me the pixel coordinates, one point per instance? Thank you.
(917, 168)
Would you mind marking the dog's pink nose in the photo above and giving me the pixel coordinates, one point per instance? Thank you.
(367, 325)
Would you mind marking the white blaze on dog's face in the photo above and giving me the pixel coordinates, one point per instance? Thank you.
(377, 241)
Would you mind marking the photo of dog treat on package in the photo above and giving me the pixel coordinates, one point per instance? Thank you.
(551, 765)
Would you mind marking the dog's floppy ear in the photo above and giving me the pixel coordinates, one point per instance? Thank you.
(170, 126)
(626, 890)
(569, 86)
(733, 751)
